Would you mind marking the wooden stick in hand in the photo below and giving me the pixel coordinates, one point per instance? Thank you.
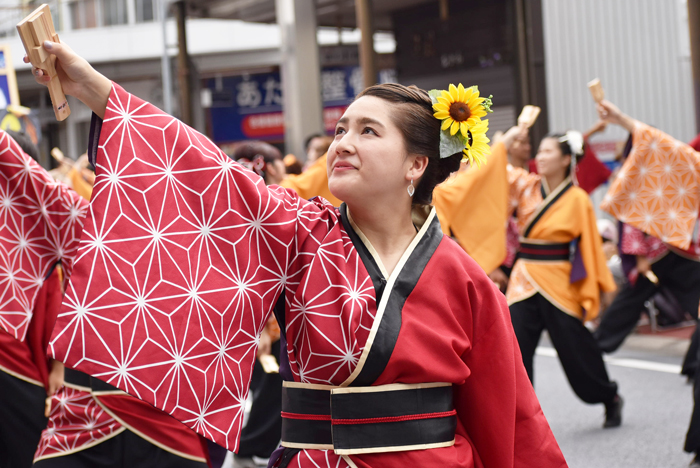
(596, 90)
(34, 30)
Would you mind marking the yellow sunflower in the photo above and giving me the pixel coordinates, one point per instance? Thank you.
(478, 147)
(459, 109)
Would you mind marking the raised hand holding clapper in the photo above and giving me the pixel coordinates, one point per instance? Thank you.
(34, 30)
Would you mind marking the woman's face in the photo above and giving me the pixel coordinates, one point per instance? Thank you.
(549, 160)
(367, 160)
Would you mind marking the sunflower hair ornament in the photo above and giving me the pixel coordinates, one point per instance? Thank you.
(460, 109)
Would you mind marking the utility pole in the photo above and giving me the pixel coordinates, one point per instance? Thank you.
(363, 13)
(183, 63)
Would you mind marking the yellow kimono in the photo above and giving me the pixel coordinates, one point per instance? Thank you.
(569, 218)
(658, 188)
(472, 207)
(313, 182)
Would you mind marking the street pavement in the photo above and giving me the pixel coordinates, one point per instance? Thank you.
(658, 403)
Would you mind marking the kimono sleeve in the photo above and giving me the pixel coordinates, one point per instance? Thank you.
(41, 221)
(633, 241)
(472, 208)
(658, 188)
(183, 257)
(598, 276)
(497, 404)
(591, 172)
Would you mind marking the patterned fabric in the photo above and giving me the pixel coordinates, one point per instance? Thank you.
(570, 217)
(207, 244)
(520, 285)
(635, 242)
(658, 188)
(320, 459)
(524, 194)
(76, 422)
(185, 253)
(512, 242)
(40, 225)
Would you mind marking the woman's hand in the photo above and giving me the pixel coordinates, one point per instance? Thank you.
(56, 378)
(513, 134)
(610, 113)
(643, 265)
(499, 278)
(265, 345)
(77, 77)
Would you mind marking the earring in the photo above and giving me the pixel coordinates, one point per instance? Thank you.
(411, 189)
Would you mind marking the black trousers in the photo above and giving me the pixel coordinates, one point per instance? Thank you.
(21, 421)
(263, 431)
(125, 450)
(679, 274)
(692, 438)
(690, 362)
(578, 352)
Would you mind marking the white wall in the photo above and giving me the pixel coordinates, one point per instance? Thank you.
(640, 50)
(144, 41)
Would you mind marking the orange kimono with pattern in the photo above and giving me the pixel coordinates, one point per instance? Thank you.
(562, 216)
(658, 188)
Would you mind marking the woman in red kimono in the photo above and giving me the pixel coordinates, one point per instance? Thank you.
(40, 225)
(399, 349)
(88, 425)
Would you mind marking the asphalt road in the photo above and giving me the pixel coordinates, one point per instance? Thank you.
(658, 403)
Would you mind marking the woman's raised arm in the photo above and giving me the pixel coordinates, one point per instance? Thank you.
(658, 187)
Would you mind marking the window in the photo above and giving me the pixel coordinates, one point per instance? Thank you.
(145, 10)
(114, 12)
(83, 14)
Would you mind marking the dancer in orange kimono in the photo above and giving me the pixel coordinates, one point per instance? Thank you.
(658, 192)
(561, 270)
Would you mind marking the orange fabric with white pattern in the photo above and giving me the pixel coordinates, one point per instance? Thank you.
(658, 187)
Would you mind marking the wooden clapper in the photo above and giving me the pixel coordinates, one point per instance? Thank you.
(34, 30)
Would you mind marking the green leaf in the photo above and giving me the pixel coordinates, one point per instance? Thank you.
(434, 94)
(450, 144)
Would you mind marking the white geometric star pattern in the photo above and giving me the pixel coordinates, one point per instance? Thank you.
(76, 422)
(183, 258)
(40, 224)
(658, 188)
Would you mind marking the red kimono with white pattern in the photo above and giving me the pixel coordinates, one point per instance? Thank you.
(40, 225)
(186, 253)
(41, 222)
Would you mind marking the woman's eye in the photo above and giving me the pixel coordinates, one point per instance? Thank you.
(339, 130)
(369, 130)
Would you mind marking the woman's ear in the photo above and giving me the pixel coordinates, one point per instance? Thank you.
(418, 167)
(566, 160)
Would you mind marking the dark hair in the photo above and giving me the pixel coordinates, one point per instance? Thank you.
(253, 152)
(307, 142)
(25, 142)
(565, 148)
(421, 133)
(293, 167)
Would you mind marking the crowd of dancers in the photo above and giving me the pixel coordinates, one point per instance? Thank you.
(401, 291)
